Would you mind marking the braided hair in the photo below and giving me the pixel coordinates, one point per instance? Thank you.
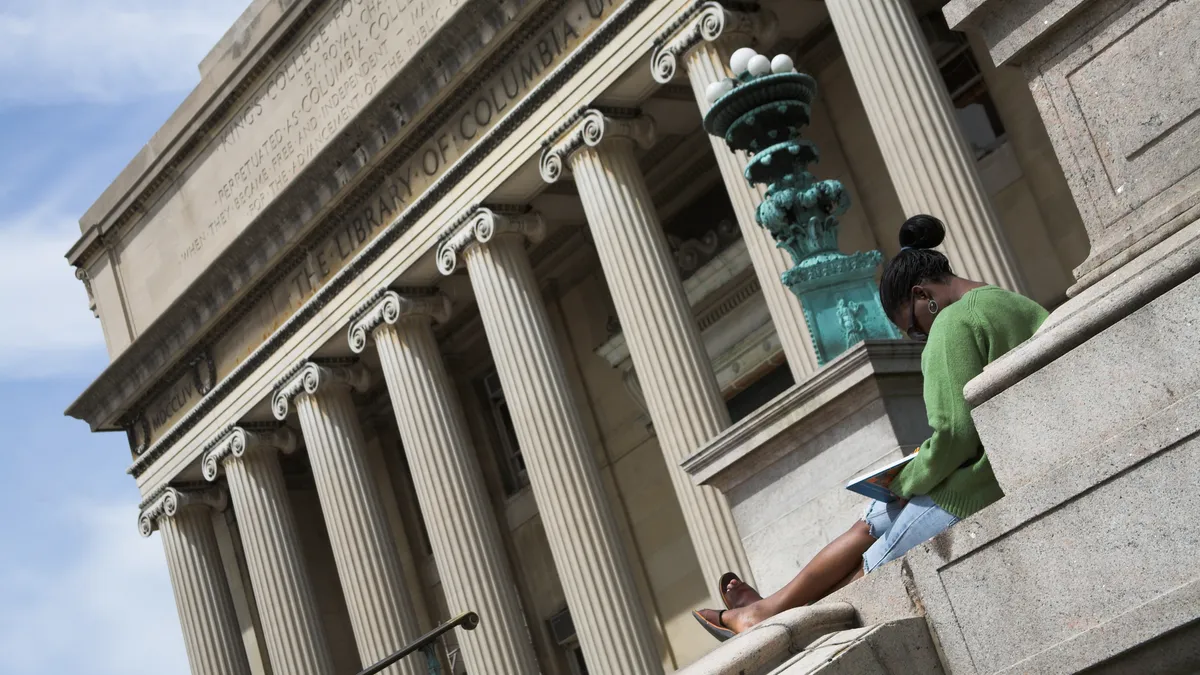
(917, 262)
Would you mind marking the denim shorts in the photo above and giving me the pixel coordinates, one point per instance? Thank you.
(899, 527)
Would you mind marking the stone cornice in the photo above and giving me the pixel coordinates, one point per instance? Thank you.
(621, 19)
(588, 128)
(170, 501)
(706, 22)
(390, 307)
(236, 441)
(309, 377)
(480, 226)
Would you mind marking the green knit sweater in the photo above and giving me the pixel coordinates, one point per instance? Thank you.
(951, 467)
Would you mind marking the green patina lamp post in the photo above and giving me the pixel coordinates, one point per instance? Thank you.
(762, 113)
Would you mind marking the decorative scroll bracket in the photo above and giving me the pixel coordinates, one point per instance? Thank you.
(309, 377)
(587, 128)
(171, 501)
(236, 441)
(390, 307)
(479, 226)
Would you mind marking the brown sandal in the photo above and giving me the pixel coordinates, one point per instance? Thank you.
(717, 629)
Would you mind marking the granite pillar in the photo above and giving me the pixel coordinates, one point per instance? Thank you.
(613, 629)
(931, 166)
(462, 528)
(364, 551)
(673, 368)
(206, 613)
(291, 621)
(705, 42)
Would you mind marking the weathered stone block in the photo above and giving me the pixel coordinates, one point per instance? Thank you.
(1132, 167)
(1077, 568)
(1130, 371)
(902, 646)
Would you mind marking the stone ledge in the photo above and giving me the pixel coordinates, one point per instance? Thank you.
(1081, 318)
(1013, 573)
(721, 462)
(768, 645)
(1009, 27)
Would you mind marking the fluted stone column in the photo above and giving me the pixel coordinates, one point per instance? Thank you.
(608, 615)
(287, 607)
(462, 528)
(927, 157)
(210, 627)
(704, 42)
(368, 564)
(676, 375)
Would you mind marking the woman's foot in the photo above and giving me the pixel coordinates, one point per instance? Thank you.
(737, 593)
(740, 619)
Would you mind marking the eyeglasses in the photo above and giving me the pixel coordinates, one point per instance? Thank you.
(914, 331)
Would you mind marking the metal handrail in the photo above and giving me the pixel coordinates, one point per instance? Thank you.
(468, 621)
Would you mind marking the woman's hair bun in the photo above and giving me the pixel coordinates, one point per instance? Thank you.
(922, 231)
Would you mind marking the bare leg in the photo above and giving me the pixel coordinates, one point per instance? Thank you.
(833, 567)
(850, 578)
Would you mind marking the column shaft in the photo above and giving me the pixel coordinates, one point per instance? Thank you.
(608, 615)
(367, 562)
(930, 164)
(664, 342)
(463, 531)
(705, 64)
(291, 621)
(210, 627)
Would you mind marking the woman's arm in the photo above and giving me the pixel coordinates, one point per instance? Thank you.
(953, 356)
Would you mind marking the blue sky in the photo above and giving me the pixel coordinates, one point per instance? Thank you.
(83, 84)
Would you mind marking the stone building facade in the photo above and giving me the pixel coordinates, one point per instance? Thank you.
(423, 307)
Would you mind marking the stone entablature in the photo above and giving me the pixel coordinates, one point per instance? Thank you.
(519, 133)
(528, 56)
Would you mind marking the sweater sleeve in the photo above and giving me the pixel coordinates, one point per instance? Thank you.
(953, 356)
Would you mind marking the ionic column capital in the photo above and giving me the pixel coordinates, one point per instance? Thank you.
(588, 128)
(390, 307)
(236, 441)
(171, 501)
(479, 226)
(310, 376)
(708, 22)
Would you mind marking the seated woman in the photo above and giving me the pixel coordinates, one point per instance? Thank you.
(966, 325)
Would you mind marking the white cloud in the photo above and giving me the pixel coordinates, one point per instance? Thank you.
(55, 51)
(105, 608)
(48, 329)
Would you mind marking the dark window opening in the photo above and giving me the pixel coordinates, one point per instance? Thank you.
(756, 395)
(701, 230)
(977, 115)
(512, 463)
